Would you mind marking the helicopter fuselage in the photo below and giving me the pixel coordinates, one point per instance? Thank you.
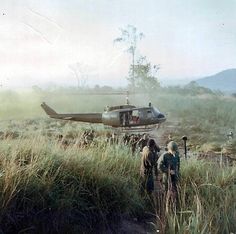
(132, 117)
(116, 116)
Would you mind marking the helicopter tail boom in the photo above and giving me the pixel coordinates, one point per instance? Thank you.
(49, 111)
(81, 117)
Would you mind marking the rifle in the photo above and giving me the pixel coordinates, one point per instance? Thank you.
(184, 138)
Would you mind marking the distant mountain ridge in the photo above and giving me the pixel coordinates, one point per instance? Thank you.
(224, 81)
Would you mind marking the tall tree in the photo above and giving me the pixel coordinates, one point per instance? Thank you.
(145, 75)
(130, 37)
(81, 72)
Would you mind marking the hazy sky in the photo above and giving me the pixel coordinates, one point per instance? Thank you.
(41, 40)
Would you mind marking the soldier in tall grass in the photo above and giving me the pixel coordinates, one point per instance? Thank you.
(169, 165)
(142, 142)
(148, 167)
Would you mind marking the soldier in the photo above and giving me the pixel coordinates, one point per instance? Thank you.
(114, 138)
(230, 136)
(157, 149)
(63, 141)
(89, 137)
(168, 140)
(108, 137)
(169, 164)
(142, 142)
(133, 142)
(148, 167)
(126, 139)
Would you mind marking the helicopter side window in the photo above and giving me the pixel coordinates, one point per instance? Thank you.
(135, 117)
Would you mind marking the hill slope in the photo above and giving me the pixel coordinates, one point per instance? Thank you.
(223, 81)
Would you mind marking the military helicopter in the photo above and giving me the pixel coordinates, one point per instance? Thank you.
(127, 117)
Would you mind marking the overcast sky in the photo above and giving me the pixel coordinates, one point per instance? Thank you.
(43, 41)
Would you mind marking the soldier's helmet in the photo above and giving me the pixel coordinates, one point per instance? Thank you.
(151, 143)
(172, 146)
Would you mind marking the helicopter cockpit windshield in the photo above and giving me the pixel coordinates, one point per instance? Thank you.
(157, 113)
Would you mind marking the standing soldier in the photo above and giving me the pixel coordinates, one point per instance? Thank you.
(142, 142)
(63, 142)
(126, 139)
(168, 140)
(157, 150)
(89, 137)
(133, 142)
(114, 138)
(169, 164)
(148, 167)
(230, 136)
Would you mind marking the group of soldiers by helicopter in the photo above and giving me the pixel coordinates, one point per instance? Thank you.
(88, 137)
(161, 170)
(84, 140)
(135, 141)
(151, 159)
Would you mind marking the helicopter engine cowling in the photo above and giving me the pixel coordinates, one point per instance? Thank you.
(111, 118)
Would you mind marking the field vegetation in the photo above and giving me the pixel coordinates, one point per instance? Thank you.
(48, 188)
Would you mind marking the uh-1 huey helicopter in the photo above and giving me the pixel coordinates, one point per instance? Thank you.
(127, 117)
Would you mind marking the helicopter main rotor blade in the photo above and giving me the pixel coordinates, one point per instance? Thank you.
(95, 93)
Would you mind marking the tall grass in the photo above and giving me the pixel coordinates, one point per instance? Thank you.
(75, 189)
(45, 188)
(207, 199)
(80, 189)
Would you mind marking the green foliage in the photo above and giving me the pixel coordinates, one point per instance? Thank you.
(196, 89)
(192, 89)
(142, 76)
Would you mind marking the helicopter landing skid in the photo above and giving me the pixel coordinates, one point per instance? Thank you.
(139, 129)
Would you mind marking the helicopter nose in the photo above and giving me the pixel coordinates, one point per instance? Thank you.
(161, 117)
